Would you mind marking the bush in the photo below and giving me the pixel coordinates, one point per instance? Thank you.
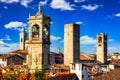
(39, 74)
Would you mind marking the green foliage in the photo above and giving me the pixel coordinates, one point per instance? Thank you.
(39, 74)
(95, 58)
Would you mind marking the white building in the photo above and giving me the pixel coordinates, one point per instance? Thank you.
(81, 70)
(115, 56)
(3, 62)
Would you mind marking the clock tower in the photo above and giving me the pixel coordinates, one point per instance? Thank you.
(101, 47)
(38, 40)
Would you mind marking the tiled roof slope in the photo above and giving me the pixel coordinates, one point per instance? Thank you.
(70, 76)
(112, 75)
(85, 57)
(19, 51)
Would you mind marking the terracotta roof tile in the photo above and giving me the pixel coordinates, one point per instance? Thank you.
(112, 75)
(19, 51)
(68, 76)
(60, 66)
(85, 57)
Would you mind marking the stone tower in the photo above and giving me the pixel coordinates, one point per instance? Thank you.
(22, 39)
(102, 48)
(39, 40)
(71, 43)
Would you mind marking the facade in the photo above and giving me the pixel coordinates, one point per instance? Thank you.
(14, 60)
(101, 48)
(116, 56)
(51, 58)
(3, 62)
(81, 70)
(59, 58)
(56, 58)
(71, 43)
(16, 57)
(38, 40)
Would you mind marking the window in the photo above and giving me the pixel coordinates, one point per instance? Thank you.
(88, 76)
(82, 76)
(73, 66)
(3, 59)
(100, 39)
(35, 31)
(21, 40)
(45, 32)
(82, 67)
(99, 45)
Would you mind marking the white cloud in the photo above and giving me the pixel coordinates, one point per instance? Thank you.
(117, 15)
(79, 1)
(79, 22)
(22, 2)
(91, 7)
(25, 2)
(9, 1)
(1, 42)
(7, 37)
(112, 48)
(61, 4)
(43, 2)
(5, 7)
(15, 25)
(54, 38)
(7, 47)
(86, 40)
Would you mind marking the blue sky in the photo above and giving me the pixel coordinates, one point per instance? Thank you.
(94, 16)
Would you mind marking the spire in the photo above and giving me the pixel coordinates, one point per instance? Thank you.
(39, 7)
(23, 28)
(39, 10)
(59, 50)
(29, 14)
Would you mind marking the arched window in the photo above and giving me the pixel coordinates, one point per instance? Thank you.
(100, 39)
(35, 31)
(45, 31)
(21, 40)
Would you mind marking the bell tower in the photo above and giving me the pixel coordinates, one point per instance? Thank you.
(22, 39)
(39, 40)
(101, 48)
